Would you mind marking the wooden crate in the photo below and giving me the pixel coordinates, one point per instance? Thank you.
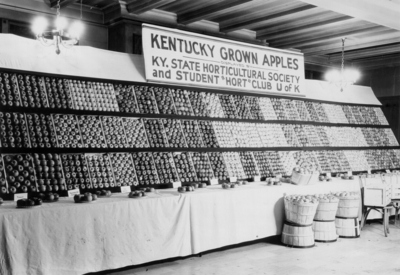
(377, 195)
(396, 191)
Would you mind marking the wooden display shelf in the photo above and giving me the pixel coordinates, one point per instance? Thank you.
(169, 149)
(140, 115)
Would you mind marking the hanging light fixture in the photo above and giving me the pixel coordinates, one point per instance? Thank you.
(343, 78)
(59, 35)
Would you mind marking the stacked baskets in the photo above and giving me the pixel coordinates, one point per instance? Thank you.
(347, 225)
(324, 220)
(300, 212)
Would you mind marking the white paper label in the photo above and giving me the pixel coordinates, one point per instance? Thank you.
(125, 189)
(73, 192)
(349, 173)
(233, 179)
(19, 196)
(328, 175)
(213, 181)
(257, 178)
(387, 171)
(176, 184)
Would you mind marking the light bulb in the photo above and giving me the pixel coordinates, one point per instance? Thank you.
(61, 23)
(332, 75)
(39, 25)
(76, 29)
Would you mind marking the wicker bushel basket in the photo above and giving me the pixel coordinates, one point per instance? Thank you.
(347, 227)
(300, 213)
(325, 231)
(348, 207)
(326, 211)
(298, 236)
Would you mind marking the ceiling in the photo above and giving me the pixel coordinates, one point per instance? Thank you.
(314, 27)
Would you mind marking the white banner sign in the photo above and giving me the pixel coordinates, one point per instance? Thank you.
(189, 59)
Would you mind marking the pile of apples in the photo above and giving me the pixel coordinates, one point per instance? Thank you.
(87, 197)
(49, 197)
(326, 198)
(141, 193)
(301, 199)
(228, 185)
(22, 203)
(103, 193)
(137, 194)
(323, 178)
(346, 177)
(345, 194)
(191, 188)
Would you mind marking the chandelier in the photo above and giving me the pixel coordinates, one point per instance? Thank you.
(343, 78)
(59, 35)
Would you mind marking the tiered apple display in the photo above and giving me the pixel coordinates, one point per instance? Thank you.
(20, 173)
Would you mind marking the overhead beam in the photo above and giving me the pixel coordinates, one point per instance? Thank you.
(383, 50)
(138, 7)
(209, 11)
(352, 45)
(385, 13)
(63, 3)
(307, 28)
(250, 21)
(300, 26)
(304, 41)
(378, 62)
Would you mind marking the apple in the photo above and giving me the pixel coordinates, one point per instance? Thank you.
(203, 185)
(56, 188)
(108, 193)
(188, 188)
(195, 185)
(351, 178)
(37, 201)
(1, 201)
(77, 198)
(24, 189)
(245, 182)
(12, 189)
(329, 179)
(94, 197)
(3, 190)
(30, 203)
(239, 182)
(321, 178)
(49, 197)
(56, 196)
(233, 185)
(87, 197)
(22, 202)
(32, 188)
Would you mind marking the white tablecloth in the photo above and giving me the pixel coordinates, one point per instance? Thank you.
(68, 238)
